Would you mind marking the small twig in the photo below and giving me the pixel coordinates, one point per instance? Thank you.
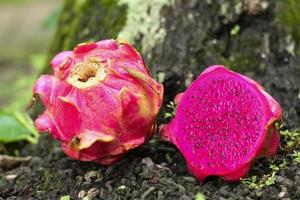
(9, 162)
(147, 193)
(108, 186)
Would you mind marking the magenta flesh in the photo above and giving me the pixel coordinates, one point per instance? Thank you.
(224, 121)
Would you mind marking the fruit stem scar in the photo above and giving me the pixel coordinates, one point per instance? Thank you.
(87, 74)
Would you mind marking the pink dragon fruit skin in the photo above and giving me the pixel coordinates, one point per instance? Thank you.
(101, 101)
(223, 123)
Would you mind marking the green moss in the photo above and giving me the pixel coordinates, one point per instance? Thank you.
(289, 17)
(74, 25)
(241, 62)
(230, 10)
(86, 20)
(245, 55)
(1, 181)
(290, 139)
(20, 183)
(143, 19)
(255, 182)
(296, 157)
(50, 179)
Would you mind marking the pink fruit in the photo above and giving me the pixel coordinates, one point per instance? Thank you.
(101, 101)
(224, 121)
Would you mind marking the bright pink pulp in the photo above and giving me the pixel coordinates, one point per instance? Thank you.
(223, 122)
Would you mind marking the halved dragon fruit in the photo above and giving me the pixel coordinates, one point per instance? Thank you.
(224, 121)
(101, 101)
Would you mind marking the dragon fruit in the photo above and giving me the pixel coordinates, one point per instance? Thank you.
(223, 123)
(101, 101)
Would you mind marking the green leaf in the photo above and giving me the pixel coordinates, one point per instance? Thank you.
(296, 156)
(199, 196)
(168, 115)
(65, 197)
(16, 126)
(235, 30)
(274, 167)
(254, 178)
(271, 179)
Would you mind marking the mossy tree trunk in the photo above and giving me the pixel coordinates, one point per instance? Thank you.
(179, 38)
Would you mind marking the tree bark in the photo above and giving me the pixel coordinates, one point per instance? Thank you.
(180, 38)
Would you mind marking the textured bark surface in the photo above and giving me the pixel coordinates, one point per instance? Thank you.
(178, 39)
(247, 36)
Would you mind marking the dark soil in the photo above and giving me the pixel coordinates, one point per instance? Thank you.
(154, 171)
(157, 170)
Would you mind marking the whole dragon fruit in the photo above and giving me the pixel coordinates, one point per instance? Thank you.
(224, 121)
(101, 101)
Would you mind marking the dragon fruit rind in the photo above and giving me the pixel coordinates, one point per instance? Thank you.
(101, 101)
(224, 121)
